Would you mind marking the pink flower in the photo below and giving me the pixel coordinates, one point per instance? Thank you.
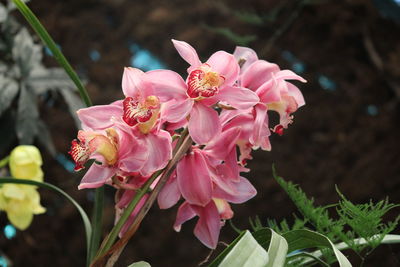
(274, 92)
(138, 116)
(213, 215)
(269, 82)
(207, 179)
(115, 152)
(207, 84)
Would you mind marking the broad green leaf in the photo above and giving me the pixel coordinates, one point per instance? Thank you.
(85, 218)
(246, 253)
(8, 91)
(221, 256)
(27, 117)
(304, 239)
(140, 264)
(277, 250)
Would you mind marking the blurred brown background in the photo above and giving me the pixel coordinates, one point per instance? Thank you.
(347, 134)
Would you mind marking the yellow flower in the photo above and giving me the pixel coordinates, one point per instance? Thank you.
(25, 162)
(21, 202)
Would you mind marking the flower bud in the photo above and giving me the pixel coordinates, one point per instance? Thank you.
(25, 163)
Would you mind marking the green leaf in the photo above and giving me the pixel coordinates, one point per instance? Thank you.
(305, 239)
(8, 91)
(221, 256)
(81, 211)
(44, 35)
(140, 264)
(27, 117)
(246, 253)
(277, 250)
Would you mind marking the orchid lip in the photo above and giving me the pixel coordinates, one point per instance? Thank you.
(136, 111)
(203, 82)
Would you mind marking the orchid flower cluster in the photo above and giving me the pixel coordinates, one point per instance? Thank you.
(221, 107)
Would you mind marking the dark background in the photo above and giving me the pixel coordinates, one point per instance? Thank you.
(346, 135)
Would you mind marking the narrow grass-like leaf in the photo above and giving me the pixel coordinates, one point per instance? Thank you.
(85, 219)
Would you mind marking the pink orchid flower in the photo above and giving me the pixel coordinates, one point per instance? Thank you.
(207, 179)
(138, 116)
(269, 82)
(206, 84)
(115, 152)
(213, 215)
(274, 92)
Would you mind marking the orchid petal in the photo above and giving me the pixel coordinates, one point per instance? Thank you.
(169, 194)
(288, 75)
(258, 73)
(260, 117)
(187, 52)
(236, 192)
(176, 110)
(269, 92)
(296, 94)
(223, 144)
(96, 176)
(245, 54)
(159, 151)
(208, 226)
(226, 65)
(203, 124)
(167, 84)
(185, 213)
(132, 81)
(194, 179)
(99, 117)
(238, 97)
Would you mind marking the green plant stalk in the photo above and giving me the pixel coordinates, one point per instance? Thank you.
(85, 218)
(4, 161)
(110, 239)
(46, 38)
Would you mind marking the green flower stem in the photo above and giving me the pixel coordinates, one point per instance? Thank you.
(85, 219)
(4, 161)
(44, 35)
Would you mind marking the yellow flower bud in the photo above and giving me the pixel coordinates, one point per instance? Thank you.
(25, 162)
